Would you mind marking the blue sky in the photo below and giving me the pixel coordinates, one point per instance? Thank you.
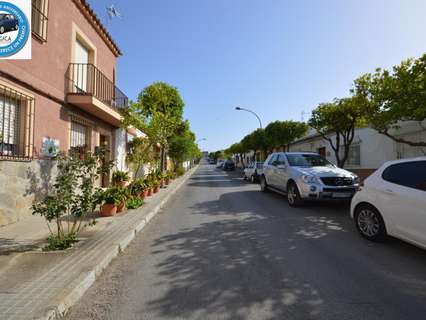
(276, 57)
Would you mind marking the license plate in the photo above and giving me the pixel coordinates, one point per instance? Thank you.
(342, 195)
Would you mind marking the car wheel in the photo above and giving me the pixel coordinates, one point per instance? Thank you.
(293, 195)
(369, 223)
(1, 30)
(263, 184)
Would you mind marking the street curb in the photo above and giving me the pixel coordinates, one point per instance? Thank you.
(86, 280)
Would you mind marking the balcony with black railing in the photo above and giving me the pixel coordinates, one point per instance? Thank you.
(94, 92)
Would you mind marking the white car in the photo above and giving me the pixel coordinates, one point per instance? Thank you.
(220, 163)
(305, 176)
(253, 171)
(393, 202)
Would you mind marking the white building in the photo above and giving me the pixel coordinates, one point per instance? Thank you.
(369, 149)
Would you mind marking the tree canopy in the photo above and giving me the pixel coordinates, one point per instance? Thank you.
(282, 133)
(394, 96)
(339, 119)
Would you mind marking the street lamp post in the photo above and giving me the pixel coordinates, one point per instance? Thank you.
(252, 112)
(258, 118)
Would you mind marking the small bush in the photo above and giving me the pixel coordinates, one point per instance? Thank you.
(134, 203)
(60, 243)
(180, 171)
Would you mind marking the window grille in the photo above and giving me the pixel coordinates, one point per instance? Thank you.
(16, 124)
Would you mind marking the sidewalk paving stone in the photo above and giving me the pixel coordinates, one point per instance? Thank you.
(43, 285)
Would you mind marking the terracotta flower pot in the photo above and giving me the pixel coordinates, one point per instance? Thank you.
(145, 193)
(156, 189)
(150, 192)
(108, 210)
(167, 182)
(141, 195)
(121, 207)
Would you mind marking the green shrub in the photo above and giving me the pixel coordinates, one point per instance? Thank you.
(134, 203)
(114, 195)
(120, 176)
(138, 186)
(72, 196)
(55, 243)
(180, 171)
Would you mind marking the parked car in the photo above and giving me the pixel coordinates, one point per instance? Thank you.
(8, 22)
(212, 161)
(219, 164)
(392, 201)
(228, 165)
(306, 176)
(253, 171)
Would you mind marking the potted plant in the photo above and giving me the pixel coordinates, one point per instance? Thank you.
(137, 188)
(113, 201)
(168, 177)
(120, 178)
(154, 181)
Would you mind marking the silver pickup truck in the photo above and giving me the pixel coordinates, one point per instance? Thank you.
(306, 176)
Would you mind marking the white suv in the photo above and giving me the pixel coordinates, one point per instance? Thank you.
(306, 176)
(393, 202)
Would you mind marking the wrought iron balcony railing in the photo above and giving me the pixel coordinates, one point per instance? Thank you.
(86, 79)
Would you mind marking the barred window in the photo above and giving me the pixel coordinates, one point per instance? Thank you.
(79, 135)
(40, 9)
(16, 123)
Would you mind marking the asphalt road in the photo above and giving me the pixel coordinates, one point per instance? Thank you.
(221, 249)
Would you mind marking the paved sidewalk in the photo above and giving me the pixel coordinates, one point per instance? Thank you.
(43, 285)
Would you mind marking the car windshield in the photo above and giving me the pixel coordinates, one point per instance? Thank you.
(308, 160)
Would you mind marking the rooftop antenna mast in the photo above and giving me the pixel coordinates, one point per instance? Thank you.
(112, 13)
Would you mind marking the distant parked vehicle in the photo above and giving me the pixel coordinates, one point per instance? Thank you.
(306, 176)
(253, 171)
(229, 165)
(392, 201)
(212, 161)
(8, 22)
(219, 164)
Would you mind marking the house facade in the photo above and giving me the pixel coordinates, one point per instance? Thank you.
(64, 97)
(369, 149)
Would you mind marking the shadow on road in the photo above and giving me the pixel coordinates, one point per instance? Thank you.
(256, 254)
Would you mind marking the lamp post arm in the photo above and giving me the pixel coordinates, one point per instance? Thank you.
(252, 112)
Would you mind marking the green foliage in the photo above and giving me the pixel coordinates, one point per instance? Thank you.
(142, 152)
(114, 195)
(137, 186)
(393, 96)
(276, 134)
(134, 203)
(180, 171)
(340, 118)
(163, 98)
(55, 243)
(120, 176)
(282, 133)
(182, 145)
(74, 193)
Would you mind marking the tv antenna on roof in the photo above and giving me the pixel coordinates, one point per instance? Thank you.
(112, 12)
